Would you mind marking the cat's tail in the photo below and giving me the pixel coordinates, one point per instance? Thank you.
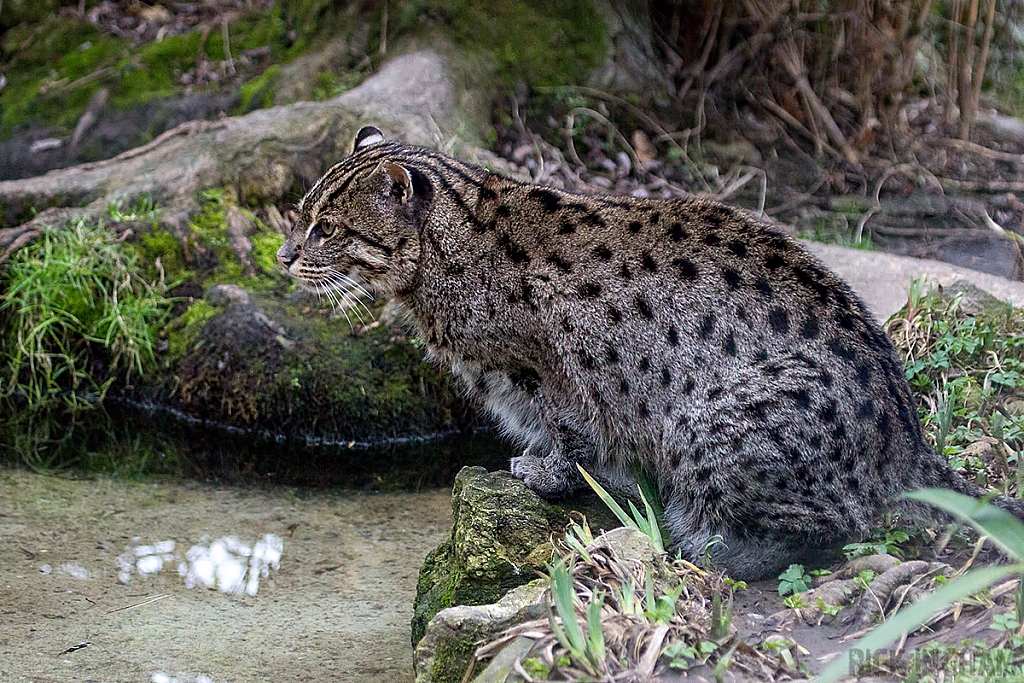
(938, 473)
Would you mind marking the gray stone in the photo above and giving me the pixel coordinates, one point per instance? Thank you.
(226, 295)
(501, 538)
(883, 280)
(628, 544)
(453, 635)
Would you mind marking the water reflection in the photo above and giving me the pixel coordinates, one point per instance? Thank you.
(161, 677)
(145, 559)
(226, 563)
(132, 439)
(75, 571)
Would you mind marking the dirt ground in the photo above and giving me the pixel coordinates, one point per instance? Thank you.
(337, 609)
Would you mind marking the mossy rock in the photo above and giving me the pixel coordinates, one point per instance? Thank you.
(264, 365)
(444, 654)
(501, 538)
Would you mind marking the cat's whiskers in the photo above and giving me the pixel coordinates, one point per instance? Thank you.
(336, 306)
(351, 303)
(348, 280)
(350, 287)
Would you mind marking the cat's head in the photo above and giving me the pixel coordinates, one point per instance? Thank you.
(360, 223)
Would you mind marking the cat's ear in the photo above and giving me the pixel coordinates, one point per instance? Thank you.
(401, 181)
(367, 135)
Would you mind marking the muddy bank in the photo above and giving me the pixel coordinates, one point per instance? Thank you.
(337, 608)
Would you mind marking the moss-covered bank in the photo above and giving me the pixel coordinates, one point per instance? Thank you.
(529, 41)
(56, 60)
(241, 348)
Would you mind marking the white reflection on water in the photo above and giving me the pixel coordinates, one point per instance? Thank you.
(226, 563)
(75, 571)
(145, 559)
(161, 677)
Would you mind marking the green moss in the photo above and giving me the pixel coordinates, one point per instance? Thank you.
(183, 332)
(264, 251)
(452, 659)
(55, 64)
(153, 70)
(164, 248)
(47, 68)
(14, 12)
(536, 668)
(209, 230)
(219, 263)
(259, 92)
(541, 43)
(330, 84)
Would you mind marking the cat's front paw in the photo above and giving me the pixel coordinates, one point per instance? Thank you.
(551, 476)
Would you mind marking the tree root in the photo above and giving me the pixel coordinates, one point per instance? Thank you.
(898, 585)
(263, 156)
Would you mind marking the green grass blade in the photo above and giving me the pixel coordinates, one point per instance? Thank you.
(559, 632)
(627, 598)
(640, 520)
(1005, 530)
(652, 520)
(607, 499)
(564, 595)
(913, 616)
(578, 546)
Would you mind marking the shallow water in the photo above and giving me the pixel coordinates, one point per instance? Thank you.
(130, 439)
(119, 581)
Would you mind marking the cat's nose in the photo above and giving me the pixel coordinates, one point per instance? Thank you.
(287, 255)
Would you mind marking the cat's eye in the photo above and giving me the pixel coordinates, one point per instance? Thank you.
(326, 227)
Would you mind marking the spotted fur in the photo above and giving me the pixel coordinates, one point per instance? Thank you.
(682, 337)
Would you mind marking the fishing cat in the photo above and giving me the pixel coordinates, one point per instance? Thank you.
(683, 337)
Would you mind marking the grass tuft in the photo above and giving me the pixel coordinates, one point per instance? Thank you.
(78, 314)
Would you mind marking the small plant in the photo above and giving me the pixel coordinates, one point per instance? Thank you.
(578, 536)
(661, 609)
(735, 585)
(794, 580)
(967, 369)
(721, 616)
(1004, 622)
(646, 524)
(628, 600)
(890, 544)
(1004, 530)
(796, 601)
(864, 579)
(784, 648)
(143, 210)
(709, 547)
(830, 610)
(682, 655)
(585, 649)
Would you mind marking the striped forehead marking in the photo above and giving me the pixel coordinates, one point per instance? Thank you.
(341, 175)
